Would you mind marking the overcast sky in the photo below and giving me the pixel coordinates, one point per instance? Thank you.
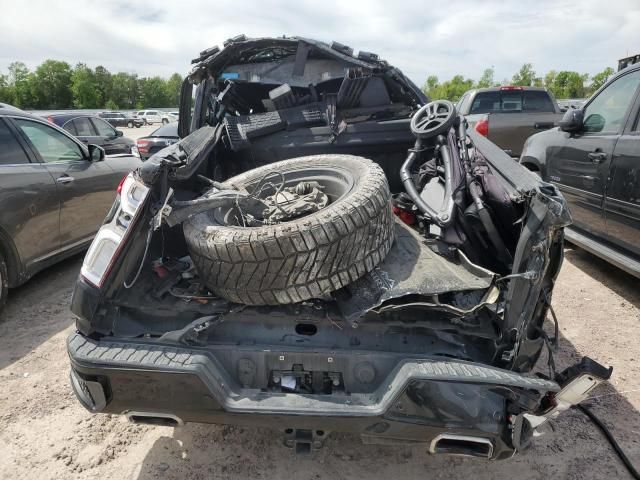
(423, 38)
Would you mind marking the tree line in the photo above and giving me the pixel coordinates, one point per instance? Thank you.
(55, 85)
(563, 84)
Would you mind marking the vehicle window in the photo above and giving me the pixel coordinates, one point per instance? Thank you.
(536, 101)
(512, 101)
(152, 112)
(606, 112)
(70, 128)
(83, 127)
(461, 103)
(170, 130)
(486, 102)
(103, 128)
(52, 145)
(11, 152)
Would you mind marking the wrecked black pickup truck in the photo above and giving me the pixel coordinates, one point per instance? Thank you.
(326, 250)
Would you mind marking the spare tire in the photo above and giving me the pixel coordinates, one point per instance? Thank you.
(306, 257)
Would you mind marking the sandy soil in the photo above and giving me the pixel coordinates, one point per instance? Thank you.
(46, 434)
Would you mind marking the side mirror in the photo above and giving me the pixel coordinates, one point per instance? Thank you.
(572, 121)
(96, 153)
(119, 133)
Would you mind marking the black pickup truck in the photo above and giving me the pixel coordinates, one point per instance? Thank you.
(594, 159)
(260, 272)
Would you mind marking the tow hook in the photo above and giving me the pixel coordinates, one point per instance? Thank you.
(304, 441)
(576, 383)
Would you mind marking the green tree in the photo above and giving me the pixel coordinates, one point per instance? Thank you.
(487, 78)
(549, 79)
(568, 84)
(173, 90)
(51, 85)
(84, 87)
(6, 91)
(154, 92)
(449, 90)
(111, 105)
(124, 90)
(525, 77)
(430, 84)
(18, 81)
(103, 84)
(599, 79)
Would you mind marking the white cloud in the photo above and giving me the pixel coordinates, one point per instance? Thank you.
(422, 38)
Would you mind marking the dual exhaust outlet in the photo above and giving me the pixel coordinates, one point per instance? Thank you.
(445, 443)
(463, 445)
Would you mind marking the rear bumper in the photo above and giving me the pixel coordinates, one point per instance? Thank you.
(420, 400)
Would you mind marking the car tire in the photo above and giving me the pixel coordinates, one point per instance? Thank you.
(4, 282)
(130, 124)
(165, 121)
(307, 257)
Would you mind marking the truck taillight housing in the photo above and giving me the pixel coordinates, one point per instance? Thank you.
(143, 146)
(482, 127)
(111, 237)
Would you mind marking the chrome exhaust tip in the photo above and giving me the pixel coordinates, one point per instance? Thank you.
(463, 445)
(154, 418)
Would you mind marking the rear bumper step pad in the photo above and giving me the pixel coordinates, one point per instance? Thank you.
(139, 356)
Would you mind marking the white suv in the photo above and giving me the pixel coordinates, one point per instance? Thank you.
(155, 116)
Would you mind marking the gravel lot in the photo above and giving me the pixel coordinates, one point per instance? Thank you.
(45, 433)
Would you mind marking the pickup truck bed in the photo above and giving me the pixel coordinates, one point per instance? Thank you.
(510, 130)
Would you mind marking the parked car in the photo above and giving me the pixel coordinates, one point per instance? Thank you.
(594, 159)
(117, 119)
(155, 116)
(55, 192)
(260, 272)
(92, 129)
(509, 115)
(157, 140)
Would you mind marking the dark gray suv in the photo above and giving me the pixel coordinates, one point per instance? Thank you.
(54, 193)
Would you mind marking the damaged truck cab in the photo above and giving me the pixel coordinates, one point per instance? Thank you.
(326, 250)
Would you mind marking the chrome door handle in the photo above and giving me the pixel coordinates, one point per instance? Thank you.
(597, 157)
(65, 179)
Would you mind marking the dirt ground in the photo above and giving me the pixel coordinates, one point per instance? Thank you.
(46, 434)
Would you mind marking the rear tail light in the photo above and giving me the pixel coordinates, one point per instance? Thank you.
(407, 217)
(511, 87)
(482, 127)
(119, 187)
(143, 146)
(106, 246)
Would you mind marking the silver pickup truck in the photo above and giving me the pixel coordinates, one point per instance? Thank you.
(509, 115)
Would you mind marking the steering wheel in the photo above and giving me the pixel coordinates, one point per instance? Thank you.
(433, 119)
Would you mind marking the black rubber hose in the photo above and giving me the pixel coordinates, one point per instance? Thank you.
(612, 441)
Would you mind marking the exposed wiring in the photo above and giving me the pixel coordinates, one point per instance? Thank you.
(257, 191)
(612, 441)
(144, 258)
